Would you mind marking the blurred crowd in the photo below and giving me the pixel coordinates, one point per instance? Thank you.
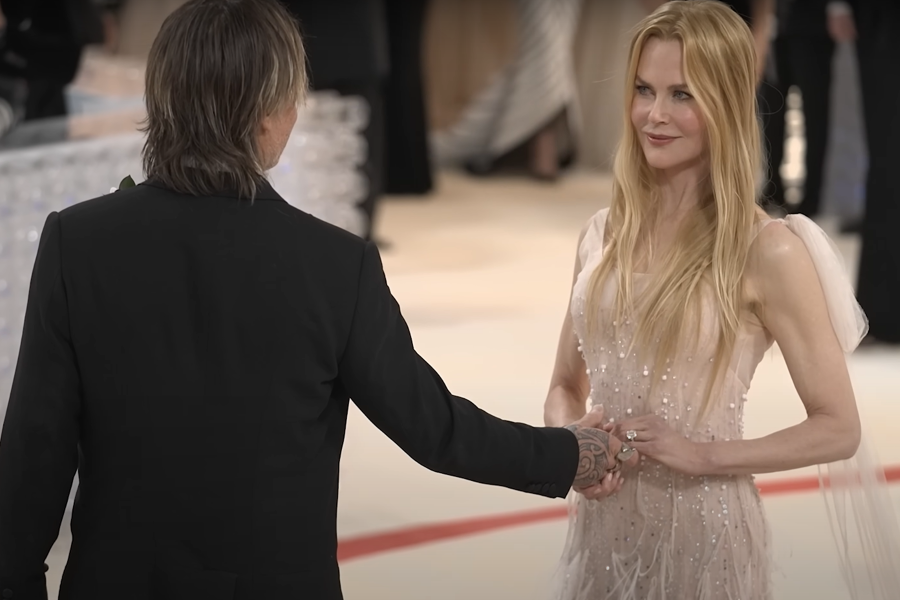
(529, 115)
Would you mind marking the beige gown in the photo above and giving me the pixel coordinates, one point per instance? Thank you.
(666, 536)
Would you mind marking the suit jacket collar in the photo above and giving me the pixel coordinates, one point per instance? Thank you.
(265, 191)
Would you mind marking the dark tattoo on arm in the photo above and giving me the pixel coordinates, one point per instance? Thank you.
(593, 455)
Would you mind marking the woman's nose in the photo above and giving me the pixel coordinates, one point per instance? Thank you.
(659, 112)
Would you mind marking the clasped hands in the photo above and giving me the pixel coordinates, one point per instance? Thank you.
(600, 471)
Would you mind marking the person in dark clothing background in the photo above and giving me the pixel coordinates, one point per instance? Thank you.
(875, 25)
(408, 168)
(42, 46)
(347, 48)
(801, 56)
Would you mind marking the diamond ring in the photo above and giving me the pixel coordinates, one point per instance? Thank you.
(631, 435)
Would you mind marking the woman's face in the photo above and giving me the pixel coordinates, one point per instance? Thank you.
(665, 116)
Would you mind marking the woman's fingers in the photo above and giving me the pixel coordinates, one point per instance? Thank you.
(608, 486)
(648, 448)
(592, 492)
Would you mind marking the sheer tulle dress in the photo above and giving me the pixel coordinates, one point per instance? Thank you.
(668, 536)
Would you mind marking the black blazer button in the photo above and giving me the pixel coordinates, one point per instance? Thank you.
(7, 593)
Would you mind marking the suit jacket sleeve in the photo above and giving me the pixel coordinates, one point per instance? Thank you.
(39, 442)
(406, 399)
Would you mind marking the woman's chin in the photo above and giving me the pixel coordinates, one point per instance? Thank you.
(665, 163)
(658, 163)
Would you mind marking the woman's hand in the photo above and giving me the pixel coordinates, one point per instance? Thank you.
(610, 485)
(651, 436)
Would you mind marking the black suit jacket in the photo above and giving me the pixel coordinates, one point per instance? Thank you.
(345, 40)
(193, 358)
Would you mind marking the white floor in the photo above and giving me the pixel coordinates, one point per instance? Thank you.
(482, 271)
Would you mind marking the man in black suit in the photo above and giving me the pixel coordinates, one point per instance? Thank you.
(347, 45)
(191, 344)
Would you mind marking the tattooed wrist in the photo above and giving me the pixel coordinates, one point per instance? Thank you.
(593, 455)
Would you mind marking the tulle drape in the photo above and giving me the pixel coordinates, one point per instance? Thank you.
(860, 510)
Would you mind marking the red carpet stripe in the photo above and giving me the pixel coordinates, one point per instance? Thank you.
(377, 543)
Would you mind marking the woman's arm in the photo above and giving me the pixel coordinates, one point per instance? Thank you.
(783, 280)
(794, 310)
(569, 386)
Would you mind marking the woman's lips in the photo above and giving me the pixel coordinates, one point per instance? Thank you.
(659, 140)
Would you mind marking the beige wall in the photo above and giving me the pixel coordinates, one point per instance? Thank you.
(141, 20)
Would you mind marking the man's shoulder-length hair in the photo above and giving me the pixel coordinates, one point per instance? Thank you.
(215, 70)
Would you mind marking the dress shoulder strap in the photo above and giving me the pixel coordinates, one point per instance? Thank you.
(594, 234)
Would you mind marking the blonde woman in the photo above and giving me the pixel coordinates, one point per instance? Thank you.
(679, 290)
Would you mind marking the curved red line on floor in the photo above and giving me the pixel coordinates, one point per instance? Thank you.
(366, 545)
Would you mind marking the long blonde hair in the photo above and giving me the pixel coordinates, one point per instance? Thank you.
(711, 248)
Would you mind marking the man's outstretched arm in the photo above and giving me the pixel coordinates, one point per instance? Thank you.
(406, 399)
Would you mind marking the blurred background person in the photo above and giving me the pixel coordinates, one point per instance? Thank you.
(12, 93)
(42, 45)
(110, 12)
(875, 25)
(532, 102)
(407, 166)
(348, 52)
(802, 56)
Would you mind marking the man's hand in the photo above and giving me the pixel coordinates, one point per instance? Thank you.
(597, 449)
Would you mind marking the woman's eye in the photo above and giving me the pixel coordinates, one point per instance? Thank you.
(682, 96)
